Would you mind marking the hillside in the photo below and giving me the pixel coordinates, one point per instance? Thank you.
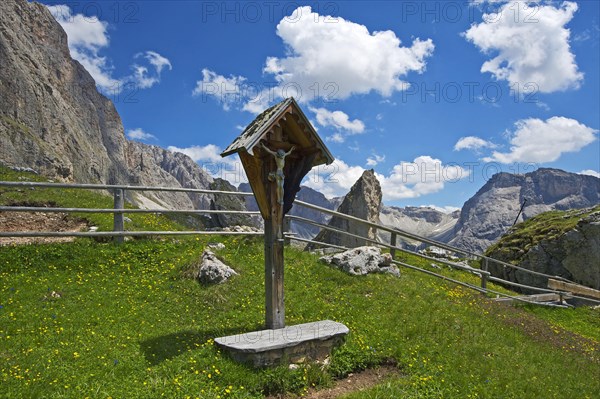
(559, 243)
(54, 121)
(493, 209)
(98, 319)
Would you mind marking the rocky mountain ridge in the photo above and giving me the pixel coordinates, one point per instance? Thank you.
(54, 121)
(487, 215)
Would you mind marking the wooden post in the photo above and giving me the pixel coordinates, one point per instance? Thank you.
(118, 220)
(393, 240)
(286, 229)
(274, 243)
(484, 276)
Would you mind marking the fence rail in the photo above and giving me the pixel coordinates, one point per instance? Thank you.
(119, 232)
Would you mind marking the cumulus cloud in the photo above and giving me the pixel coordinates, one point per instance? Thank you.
(343, 58)
(142, 77)
(535, 140)
(375, 160)
(336, 138)
(324, 60)
(209, 158)
(472, 143)
(139, 134)
(424, 175)
(338, 120)
(226, 90)
(530, 43)
(590, 172)
(88, 36)
(333, 180)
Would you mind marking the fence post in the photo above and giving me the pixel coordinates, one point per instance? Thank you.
(119, 222)
(484, 276)
(393, 240)
(286, 229)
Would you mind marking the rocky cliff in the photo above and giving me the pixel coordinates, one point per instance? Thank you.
(565, 244)
(491, 212)
(363, 201)
(53, 120)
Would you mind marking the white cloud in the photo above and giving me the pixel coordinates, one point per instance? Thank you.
(375, 160)
(227, 91)
(531, 43)
(338, 120)
(139, 134)
(209, 158)
(87, 37)
(472, 143)
(424, 175)
(333, 180)
(535, 140)
(336, 138)
(342, 57)
(590, 172)
(327, 57)
(142, 77)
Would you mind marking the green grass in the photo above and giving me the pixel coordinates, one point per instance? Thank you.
(77, 198)
(127, 324)
(545, 226)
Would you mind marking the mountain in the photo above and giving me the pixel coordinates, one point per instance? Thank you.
(54, 121)
(421, 220)
(305, 194)
(493, 209)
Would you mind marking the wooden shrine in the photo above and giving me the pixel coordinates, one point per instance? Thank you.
(277, 150)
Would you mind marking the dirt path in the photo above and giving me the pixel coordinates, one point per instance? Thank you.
(353, 383)
(39, 221)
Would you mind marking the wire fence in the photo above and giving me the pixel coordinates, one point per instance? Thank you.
(119, 233)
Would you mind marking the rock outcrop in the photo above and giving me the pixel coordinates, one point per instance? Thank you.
(491, 212)
(231, 203)
(53, 119)
(364, 202)
(565, 244)
(212, 270)
(362, 260)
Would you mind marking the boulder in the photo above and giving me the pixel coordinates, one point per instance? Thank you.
(212, 270)
(362, 260)
(364, 202)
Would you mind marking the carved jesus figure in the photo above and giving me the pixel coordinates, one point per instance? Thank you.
(278, 175)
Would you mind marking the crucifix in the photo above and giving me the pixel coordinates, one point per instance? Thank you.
(278, 176)
(277, 150)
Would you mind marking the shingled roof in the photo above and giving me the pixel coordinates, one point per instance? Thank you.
(260, 126)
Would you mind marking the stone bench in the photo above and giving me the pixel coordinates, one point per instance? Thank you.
(293, 344)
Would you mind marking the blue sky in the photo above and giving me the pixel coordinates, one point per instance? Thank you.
(434, 96)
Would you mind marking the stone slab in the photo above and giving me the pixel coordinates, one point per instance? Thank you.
(292, 344)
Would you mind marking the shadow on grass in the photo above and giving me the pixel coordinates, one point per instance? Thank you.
(159, 349)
